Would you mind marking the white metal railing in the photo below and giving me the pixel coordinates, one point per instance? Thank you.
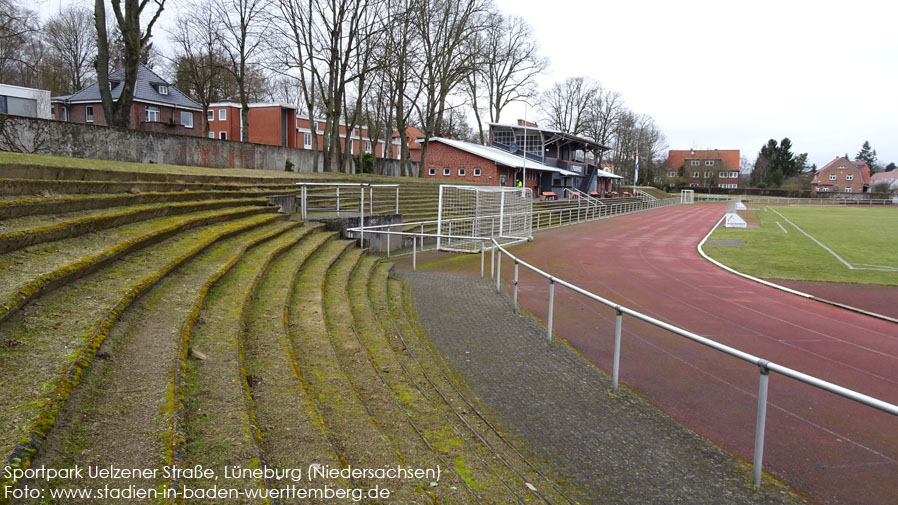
(541, 220)
(352, 197)
(583, 199)
(765, 366)
(642, 194)
(797, 201)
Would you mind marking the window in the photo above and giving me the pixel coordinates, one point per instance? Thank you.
(186, 119)
(152, 114)
(351, 147)
(163, 89)
(223, 135)
(709, 163)
(461, 172)
(210, 115)
(671, 173)
(476, 172)
(824, 189)
(211, 135)
(849, 177)
(832, 177)
(695, 175)
(367, 146)
(89, 114)
(696, 163)
(447, 172)
(708, 175)
(222, 114)
(307, 140)
(431, 171)
(848, 189)
(842, 166)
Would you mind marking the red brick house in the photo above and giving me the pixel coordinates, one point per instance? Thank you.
(885, 182)
(269, 123)
(158, 106)
(708, 168)
(842, 175)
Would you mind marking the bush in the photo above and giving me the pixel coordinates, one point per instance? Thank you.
(364, 163)
(288, 166)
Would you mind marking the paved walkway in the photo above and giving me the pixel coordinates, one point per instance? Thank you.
(616, 448)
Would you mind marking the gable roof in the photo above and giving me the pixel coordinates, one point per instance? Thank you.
(510, 160)
(677, 158)
(858, 165)
(145, 90)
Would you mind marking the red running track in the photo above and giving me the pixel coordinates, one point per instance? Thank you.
(829, 449)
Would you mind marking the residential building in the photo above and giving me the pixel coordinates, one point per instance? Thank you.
(360, 141)
(702, 168)
(157, 106)
(413, 137)
(842, 175)
(20, 101)
(546, 161)
(884, 182)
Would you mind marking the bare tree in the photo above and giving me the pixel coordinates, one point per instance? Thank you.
(510, 64)
(73, 44)
(198, 60)
(135, 40)
(18, 27)
(243, 26)
(447, 31)
(566, 104)
(604, 111)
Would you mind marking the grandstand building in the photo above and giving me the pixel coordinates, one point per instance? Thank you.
(547, 161)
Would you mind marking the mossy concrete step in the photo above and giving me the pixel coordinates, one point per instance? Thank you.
(353, 432)
(291, 433)
(52, 188)
(13, 208)
(430, 419)
(411, 350)
(406, 438)
(26, 231)
(27, 273)
(63, 331)
(130, 381)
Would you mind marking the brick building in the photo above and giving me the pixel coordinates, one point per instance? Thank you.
(269, 123)
(842, 175)
(708, 168)
(885, 182)
(157, 106)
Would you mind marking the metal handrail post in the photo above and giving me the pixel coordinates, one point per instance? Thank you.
(615, 371)
(516, 286)
(551, 307)
(492, 262)
(422, 237)
(371, 200)
(498, 271)
(338, 201)
(482, 258)
(414, 253)
(362, 215)
(388, 244)
(762, 419)
(397, 199)
(304, 204)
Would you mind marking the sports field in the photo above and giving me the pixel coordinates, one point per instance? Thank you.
(810, 243)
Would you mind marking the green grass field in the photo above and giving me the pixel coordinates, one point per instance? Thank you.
(865, 237)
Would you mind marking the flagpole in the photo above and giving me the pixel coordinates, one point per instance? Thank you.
(636, 173)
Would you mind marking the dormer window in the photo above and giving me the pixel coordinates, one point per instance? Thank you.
(163, 89)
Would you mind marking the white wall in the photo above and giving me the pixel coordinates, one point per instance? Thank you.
(26, 101)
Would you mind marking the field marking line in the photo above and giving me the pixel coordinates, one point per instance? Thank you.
(781, 227)
(808, 235)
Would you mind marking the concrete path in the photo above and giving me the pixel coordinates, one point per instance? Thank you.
(613, 447)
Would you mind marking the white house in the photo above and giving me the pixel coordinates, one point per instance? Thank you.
(21, 101)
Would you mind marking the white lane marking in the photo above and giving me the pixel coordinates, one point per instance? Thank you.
(808, 235)
(781, 227)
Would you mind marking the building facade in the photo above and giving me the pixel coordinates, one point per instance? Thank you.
(20, 101)
(709, 168)
(884, 182)
(157, 106)
(842, 175)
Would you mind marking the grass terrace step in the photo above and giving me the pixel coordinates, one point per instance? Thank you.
(408, 439)
(26, 231)
(47, 345)
(355, 434)
(13, 208)
(433, 420)
(210, 423)
(51, 188)
(113, 417)
(291, 431)
(28, 272)
(415, 356)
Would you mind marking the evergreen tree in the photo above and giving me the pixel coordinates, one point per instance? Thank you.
(868, 155)
(891, 166)
(776, 163)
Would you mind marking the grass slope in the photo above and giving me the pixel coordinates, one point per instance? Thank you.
(860, 235)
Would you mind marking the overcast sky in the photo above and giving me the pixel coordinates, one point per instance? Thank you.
(722, 74)
(731, 75)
